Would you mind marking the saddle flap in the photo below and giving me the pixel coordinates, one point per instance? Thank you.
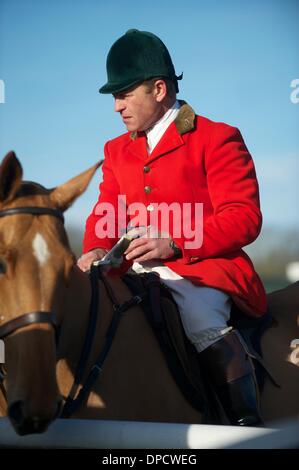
(163, 315)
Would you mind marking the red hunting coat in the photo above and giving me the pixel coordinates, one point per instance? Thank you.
(196, 160)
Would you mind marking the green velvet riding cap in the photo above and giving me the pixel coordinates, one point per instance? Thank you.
(134, 57)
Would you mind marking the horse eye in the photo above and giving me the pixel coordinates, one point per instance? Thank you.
(2, 267)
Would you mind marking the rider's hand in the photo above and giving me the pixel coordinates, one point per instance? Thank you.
(85, 261)
(151, 245)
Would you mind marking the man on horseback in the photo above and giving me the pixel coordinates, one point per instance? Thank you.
(170, 155)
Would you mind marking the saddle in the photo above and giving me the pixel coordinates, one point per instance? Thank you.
(181, 356)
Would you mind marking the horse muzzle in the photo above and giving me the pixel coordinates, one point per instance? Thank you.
(24, 423)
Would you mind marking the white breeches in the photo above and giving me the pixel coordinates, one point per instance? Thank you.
(204, 310)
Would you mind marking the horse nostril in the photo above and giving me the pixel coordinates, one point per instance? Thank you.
(15, 411)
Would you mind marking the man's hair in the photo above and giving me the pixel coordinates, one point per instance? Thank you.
(170, 86)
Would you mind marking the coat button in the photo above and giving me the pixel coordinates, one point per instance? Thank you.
(150, 208)
(146, 169)
(147, 189)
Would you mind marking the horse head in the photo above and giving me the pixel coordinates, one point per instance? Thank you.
(35, 265)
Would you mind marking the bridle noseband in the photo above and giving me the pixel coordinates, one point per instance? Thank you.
(26, 320)
(33, 317)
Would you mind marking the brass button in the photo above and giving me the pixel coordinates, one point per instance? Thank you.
(147, 189)
(146, 169)
(150, 208)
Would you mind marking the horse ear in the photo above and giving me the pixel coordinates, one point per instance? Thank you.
(65, 194)
(11, 173)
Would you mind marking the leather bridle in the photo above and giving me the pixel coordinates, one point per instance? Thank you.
(33, 317)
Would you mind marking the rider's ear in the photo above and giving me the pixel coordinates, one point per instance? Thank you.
(65, 194)
(11, 173)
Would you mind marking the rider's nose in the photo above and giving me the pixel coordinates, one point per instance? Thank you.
(118, 105)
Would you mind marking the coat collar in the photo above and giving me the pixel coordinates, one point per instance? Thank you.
(184, 122)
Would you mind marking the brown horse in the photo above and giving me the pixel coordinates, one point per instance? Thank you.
(38, 276)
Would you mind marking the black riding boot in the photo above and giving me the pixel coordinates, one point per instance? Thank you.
(231, 371)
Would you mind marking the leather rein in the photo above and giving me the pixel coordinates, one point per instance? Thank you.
(75, 399)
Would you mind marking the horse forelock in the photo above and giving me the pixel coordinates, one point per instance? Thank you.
(30, 188)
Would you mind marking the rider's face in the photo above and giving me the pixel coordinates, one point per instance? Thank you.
(140, 107)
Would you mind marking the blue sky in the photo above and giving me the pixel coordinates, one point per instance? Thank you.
(238, 59)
